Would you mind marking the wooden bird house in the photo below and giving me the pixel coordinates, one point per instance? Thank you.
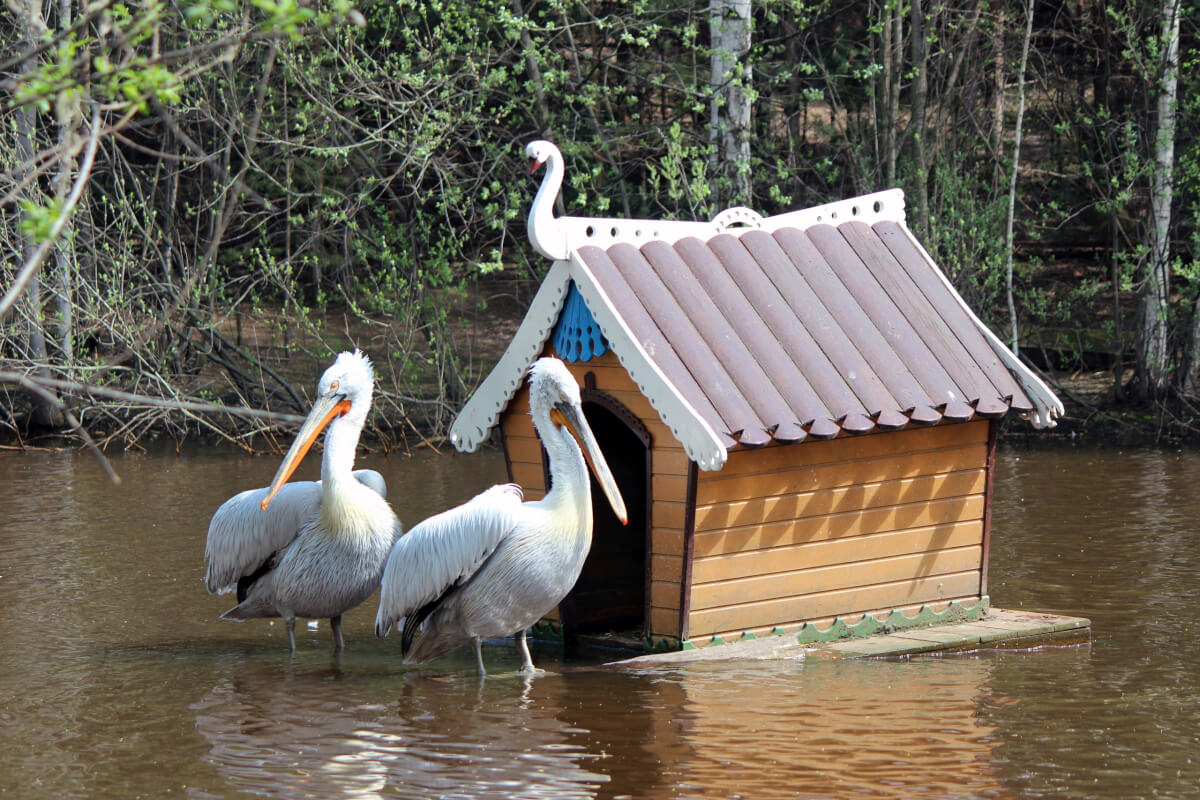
(800, 410)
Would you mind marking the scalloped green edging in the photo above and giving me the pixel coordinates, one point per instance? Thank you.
(660, 645)
(894, 621)
(809, 633)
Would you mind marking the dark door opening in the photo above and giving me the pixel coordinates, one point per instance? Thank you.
(610, 595)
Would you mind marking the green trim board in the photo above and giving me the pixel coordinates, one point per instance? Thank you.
(894, 621)
(868, 625)
(994, 629)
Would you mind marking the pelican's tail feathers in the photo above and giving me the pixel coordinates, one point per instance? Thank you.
(435, 640)
(252, 607)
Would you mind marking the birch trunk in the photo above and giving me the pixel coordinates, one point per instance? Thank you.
(46, 413)
(920, 61)
(729, 21)
(1012, 181)
(1152, 345)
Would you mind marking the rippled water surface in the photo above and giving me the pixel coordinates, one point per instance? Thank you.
(117, 680)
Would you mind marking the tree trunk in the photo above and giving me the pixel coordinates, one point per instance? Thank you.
(1152, 347)
(1012, 180)
(64, 290)
(729, 21)
(897, 57)
(920, 65)
(997, 131)
(47, 414)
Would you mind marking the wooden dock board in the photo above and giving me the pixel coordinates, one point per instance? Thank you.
(998, 629)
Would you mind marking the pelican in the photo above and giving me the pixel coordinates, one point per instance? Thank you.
(495, 565)
(311, 548)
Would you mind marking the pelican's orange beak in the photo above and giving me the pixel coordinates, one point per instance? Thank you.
(324, 411)
(570, 416)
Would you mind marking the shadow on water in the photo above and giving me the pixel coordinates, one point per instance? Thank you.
(117, 680)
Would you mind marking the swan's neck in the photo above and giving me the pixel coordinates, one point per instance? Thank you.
(549, 237)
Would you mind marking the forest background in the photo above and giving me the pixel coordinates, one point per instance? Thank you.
(201, 201)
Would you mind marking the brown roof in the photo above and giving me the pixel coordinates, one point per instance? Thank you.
(795, 333)
(747, 330)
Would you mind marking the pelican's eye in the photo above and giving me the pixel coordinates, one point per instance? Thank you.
(334, 386)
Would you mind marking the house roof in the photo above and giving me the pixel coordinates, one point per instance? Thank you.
(750, 330)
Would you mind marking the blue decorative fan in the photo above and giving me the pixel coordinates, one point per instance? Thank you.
(577, 336)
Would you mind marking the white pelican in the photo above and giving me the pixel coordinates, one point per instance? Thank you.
(495, 565)
(319, 549)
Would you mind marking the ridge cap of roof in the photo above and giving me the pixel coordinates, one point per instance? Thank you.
(604, 232)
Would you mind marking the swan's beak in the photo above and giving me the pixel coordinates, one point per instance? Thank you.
(535, 165)
(323, 412)
(571, 416)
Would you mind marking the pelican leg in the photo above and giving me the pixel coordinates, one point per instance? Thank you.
(336, 624)
(526, 659)
(291, 629)
(479, 657)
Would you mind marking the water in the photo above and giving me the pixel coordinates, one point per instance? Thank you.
(117, 680)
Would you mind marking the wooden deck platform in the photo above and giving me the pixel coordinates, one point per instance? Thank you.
(998, 629)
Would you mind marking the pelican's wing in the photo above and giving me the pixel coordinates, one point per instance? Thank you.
(372, 480)
(241, 535)
(443, 551)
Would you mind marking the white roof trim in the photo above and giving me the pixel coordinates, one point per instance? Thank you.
(698, 438)
(557, 237)
(885, 206)
(1047, 408)
(576, 232)
(482, 411)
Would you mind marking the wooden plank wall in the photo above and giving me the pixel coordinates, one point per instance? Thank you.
(786, 534)
(668, 466)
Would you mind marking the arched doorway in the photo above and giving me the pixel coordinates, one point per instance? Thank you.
(610, 595)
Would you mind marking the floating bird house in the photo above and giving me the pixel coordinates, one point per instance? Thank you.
(800, 410)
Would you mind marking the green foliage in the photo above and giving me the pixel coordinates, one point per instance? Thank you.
(37, 220)
(373, 172)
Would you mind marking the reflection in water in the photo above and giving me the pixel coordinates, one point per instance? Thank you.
(837, 730)
(758, 731)
(117, 680)
(309, 735)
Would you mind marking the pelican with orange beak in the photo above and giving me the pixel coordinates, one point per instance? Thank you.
(495, 565)
(309, 548)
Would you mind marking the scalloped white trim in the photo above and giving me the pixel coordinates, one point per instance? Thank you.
(482, 410)
(1047, 408)
(603, 232)
(696, 436)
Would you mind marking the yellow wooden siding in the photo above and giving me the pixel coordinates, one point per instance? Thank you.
(844, 601)
(787, 534)
(809, 555)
